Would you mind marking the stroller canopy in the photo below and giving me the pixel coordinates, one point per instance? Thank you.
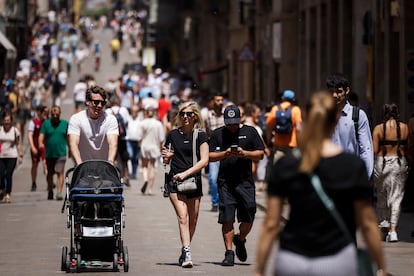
(95, 174)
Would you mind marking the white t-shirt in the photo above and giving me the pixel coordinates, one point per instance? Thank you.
(122, 111)
(149, 103)
(8, 142)
(133, 128)
(79, 90)
(63, 77)
(111, 86)
(92, 141)
(25, 64)
(81, 55)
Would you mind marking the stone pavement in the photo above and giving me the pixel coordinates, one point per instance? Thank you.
(33, 232)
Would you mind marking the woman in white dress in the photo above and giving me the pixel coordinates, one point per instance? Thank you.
(151, 136)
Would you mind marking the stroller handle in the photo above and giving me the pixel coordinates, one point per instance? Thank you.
(69, 171)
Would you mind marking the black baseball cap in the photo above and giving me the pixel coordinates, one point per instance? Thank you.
(231, 115)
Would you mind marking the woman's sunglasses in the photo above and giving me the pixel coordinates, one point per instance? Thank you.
(97, 102)
(188, 113)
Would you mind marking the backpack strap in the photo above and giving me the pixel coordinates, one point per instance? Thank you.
(279, 107)
(195, 136)
(355, 118)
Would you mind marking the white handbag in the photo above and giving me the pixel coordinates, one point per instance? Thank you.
(189, 184)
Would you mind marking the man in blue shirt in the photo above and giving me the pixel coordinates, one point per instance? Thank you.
(344, 134)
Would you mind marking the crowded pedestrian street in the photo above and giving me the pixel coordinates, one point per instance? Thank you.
(33, 229)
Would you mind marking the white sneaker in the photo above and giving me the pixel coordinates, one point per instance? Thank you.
(187, 263)
(384, 224)
(392, 237)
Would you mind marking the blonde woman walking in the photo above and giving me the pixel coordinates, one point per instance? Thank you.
(178, 150)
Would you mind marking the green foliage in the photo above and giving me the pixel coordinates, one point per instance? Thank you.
(95, 13)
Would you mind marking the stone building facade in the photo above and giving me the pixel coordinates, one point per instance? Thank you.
(254, 49)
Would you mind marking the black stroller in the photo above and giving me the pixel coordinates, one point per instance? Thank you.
(95, 215)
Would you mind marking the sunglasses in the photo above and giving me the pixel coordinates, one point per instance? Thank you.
(188, 113)
(97, 102)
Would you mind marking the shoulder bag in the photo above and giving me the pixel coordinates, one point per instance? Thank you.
(189, 184)
(365, 266)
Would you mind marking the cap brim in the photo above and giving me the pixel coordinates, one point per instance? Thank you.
(232, 121)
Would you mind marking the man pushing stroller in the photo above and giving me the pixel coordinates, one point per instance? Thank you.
(93, 134)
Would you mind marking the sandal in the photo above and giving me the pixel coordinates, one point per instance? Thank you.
(7, 199)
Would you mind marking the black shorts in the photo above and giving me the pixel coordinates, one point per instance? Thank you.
(172, 187)
(240, 198)
(55, 165)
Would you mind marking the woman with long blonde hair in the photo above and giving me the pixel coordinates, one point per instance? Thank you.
(178, 150)
(312, 242)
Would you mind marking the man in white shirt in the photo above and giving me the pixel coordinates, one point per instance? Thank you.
(93, 133)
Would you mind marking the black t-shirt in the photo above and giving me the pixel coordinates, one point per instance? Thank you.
(311, 230)
(182, 144)
(235, 170)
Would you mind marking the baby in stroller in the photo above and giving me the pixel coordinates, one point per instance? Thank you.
(95, 211)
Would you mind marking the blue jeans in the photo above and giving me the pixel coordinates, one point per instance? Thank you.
(213, 170)
(133, 152)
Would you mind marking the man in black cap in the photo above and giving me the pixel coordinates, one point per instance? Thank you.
(236, 146)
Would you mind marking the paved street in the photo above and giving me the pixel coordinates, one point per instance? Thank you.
(33, 230)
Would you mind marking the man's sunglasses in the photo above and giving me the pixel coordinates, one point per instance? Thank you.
(188, 113)
(97, 102)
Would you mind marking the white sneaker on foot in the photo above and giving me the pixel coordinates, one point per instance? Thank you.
(392, 237)
(187, 263)
(384, 224)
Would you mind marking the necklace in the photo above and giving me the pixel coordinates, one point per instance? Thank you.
(95, 127)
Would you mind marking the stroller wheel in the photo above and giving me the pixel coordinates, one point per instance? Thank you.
(115, 264)
(63, 264)
(125, 257)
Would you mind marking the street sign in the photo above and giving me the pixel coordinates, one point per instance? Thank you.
(246, 53)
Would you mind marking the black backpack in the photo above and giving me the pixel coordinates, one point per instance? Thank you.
(121, 124)
(284, 120)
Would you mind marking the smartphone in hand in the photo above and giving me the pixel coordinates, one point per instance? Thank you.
(233, 148)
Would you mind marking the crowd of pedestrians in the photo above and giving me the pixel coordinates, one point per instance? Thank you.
(139, 118)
